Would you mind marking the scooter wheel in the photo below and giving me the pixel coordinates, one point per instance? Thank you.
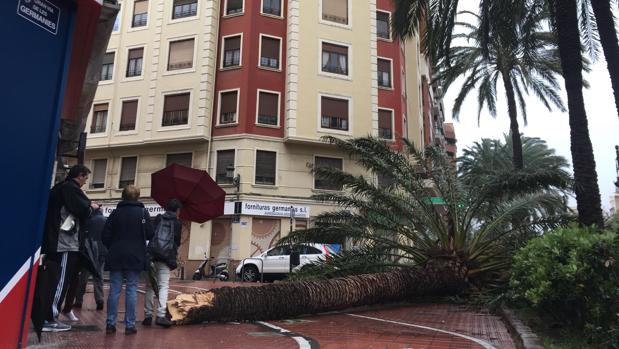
(224, 276)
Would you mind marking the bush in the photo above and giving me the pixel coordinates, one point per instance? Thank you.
(571, 273)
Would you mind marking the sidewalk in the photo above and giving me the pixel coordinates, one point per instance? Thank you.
(418, 326)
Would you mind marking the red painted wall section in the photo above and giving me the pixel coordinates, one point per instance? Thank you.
(250, 77)
(392, 98)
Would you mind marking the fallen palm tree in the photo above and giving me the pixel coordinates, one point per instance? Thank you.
(429, 231)
(283, 300)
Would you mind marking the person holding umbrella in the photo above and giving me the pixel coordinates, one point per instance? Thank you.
(162, 249)
(125, 234)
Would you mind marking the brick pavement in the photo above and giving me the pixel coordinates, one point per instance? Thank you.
(415, 326)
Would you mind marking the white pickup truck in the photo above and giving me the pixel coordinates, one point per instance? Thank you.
(275, 262)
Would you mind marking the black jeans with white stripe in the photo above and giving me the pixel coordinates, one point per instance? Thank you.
(62, 267)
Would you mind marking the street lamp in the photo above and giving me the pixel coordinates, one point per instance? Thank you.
(236, 180)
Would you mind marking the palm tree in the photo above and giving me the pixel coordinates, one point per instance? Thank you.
(608, 38)
(422, 247)
(519, 53)
(440, 16)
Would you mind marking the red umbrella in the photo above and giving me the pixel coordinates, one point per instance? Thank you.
(202, 198)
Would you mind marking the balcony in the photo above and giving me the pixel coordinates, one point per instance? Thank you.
(175, 118)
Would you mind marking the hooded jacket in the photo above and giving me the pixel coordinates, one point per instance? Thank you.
(67, 195)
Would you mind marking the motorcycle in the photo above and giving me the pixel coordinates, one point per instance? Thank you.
(218, 271)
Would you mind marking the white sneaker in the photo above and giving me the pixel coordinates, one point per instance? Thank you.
(71, 316)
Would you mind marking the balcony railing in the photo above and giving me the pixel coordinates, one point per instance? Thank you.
(185, 10)
(384, 79)
(107, 71)
(267, 119)
(385, 133)
(180, 65)
(232, 58)
(227, 118)
(334, 122)
(139, 20)
(272, 10)
(269, 62)
(176, 117)
(334, 18)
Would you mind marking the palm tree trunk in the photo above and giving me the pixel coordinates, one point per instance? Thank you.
(608, 37)
(585, 176)
(288, 299)
(513, 122)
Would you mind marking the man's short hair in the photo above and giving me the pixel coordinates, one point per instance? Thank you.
(131, 193)
(173, 205)
(78, 170)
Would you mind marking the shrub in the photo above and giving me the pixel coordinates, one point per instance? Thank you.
(571, 273)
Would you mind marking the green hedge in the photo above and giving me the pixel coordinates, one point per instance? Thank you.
(573, 274)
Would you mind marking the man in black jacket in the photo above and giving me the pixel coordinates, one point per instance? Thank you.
(163, 252)
(68, 209)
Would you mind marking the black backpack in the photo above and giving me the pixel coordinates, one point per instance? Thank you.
(161, 246)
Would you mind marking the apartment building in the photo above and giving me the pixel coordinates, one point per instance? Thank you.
(245, 89)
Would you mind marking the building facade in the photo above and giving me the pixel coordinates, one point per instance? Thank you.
(245, 89)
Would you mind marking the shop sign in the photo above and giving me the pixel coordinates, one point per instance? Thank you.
(254, 208)
(153, 209)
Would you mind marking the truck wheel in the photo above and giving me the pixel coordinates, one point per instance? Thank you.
(250, 273)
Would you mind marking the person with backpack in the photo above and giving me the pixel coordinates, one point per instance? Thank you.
(162, 249)
(124, 235)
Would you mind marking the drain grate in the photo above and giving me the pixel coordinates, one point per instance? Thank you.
(86, 328)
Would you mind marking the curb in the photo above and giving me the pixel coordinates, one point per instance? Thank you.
(523, 336)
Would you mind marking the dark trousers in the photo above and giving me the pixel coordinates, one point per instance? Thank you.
(97, 283)
(62, 267)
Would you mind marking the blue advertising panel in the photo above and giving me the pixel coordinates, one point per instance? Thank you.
(36, 52)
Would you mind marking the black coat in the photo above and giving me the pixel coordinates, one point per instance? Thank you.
(171, 255)
(95, 226)
(125, 234)
(70, 195)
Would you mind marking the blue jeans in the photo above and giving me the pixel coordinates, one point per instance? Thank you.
(131, 296)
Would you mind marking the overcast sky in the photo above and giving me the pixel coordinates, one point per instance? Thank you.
(553, 127)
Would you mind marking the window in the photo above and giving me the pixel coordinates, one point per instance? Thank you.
(269, 52)
(305, 249)
(99, 167)
(225, 159)
(272, 7)
(385, 124)
(268, 108)
(383, 28)
(384, 73)
(181, 54)
(324, 183)
(99, 118)
(265, 167)
(334, 59)
(234, 7)
(279, 251)
(181, 159)
(134, 64)
(227, 107)
(334, 113)
(175, 110)
(128, 115)
(335, 11)
(184, 8)
(140, 13)
(232, 51)
(107, 66)
(117, 20)
(128, 166)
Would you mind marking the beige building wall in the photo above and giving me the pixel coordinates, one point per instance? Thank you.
(416, 66)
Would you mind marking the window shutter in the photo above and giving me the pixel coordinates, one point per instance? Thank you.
(384, 118)
(176, 102)
(99, 107)
(108, 58)
(224, 158)
(181, 54)
(335, 10)
(128, 167)
(335, 107)
(228, 102)
(136, 53)
(268, 104)
(233, 43)
(128, 115)
(343, 50)
(140, 7)
(270, 48)
(265, 167)
(98, 172)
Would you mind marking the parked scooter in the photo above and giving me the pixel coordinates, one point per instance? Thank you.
(218, 271)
